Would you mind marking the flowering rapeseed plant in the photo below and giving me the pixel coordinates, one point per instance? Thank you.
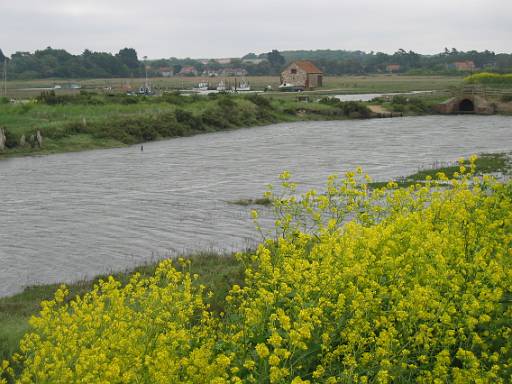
(354, 286)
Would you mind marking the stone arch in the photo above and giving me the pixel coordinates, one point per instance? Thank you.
(466, 106)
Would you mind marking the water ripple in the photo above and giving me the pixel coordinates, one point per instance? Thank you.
(69, 216)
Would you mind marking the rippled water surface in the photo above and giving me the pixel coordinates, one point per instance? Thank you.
(370, 96)
(69, 216)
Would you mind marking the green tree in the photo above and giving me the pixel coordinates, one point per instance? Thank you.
(275, 59)
(128, 56)
(251, 55)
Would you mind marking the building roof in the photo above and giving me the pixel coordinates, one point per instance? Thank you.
(188, 69)
(307, 66)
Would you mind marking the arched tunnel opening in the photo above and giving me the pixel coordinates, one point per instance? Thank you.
(466, 106)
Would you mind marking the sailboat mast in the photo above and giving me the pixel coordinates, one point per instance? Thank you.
(5, 77)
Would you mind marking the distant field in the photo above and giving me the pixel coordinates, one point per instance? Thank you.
(338, 84)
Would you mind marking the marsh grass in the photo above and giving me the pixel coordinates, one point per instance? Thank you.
(71, 123)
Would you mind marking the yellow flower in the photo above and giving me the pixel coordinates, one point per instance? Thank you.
(262, 350)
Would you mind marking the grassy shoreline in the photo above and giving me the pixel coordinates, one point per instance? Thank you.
(216, 271)
(92, 121)
(89, 120)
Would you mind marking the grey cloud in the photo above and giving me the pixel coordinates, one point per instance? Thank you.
(164, 28)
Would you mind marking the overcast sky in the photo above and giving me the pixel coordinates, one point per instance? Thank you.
(232, 28)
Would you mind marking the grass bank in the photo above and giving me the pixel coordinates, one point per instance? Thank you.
(217, 272)
(88, 121)
(338, 84)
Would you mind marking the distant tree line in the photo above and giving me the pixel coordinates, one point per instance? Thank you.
(57, 63)
(339, 62)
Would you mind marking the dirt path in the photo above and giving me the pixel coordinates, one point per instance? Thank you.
(377, 109)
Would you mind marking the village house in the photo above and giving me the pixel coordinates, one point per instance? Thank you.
(393, 68)
(302, 73)
(188, 71)
(467, 65)
(166, 71)
(223, 61)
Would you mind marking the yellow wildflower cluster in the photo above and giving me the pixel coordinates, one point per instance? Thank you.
(354, 286)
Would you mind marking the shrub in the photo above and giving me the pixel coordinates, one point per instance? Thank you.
(174, 98)
(189, 119)
(24, 108)
(215, 117)
(11, 139)
(506, 98)
(330, 101)
(262, 102)
(489, 78)
(226, 103)
(398, 99)
(129, 100)
(357, 107)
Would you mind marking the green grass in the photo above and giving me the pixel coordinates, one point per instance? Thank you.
(341, 84)
(217, 272)
(486, 163)
(97, 121)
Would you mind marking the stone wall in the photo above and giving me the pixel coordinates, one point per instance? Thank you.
(453, 105)
(314, 80)
(299, 78)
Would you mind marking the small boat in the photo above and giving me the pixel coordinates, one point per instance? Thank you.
(201, 87)
(145, 90)
(243, 86)
(288, 87)
(221, 87)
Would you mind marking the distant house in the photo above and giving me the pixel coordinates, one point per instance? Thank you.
(393, 68)
(166, 71)
(223, 61)
(233, 72)
(467, 65)
(188, 71)
(302, 73)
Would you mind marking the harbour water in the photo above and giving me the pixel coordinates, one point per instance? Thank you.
(71, 216)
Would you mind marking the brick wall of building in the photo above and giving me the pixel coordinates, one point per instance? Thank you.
(295, 75)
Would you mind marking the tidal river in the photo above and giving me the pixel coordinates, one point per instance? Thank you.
(71, 216)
